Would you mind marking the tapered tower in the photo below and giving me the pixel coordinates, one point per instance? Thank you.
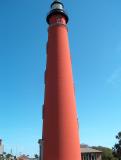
(60, 139)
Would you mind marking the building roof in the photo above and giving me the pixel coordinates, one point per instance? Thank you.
(87, 149)
(23, 157)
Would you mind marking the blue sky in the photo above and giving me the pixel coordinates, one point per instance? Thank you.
(95, 43)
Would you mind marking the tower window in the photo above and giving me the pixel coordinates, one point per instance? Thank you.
(57, 6)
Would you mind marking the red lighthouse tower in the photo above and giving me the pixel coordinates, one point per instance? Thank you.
(60, 139)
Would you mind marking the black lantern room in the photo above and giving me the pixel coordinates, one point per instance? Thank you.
(57, 7)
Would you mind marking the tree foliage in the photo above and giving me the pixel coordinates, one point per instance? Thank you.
(36, 156)
(8, 156)
(117, 147)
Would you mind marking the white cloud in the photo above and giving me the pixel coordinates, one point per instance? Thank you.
(115, 78)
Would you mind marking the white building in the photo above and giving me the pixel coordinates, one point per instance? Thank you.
(88, 153)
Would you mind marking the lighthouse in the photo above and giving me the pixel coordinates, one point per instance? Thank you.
(60, 136)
